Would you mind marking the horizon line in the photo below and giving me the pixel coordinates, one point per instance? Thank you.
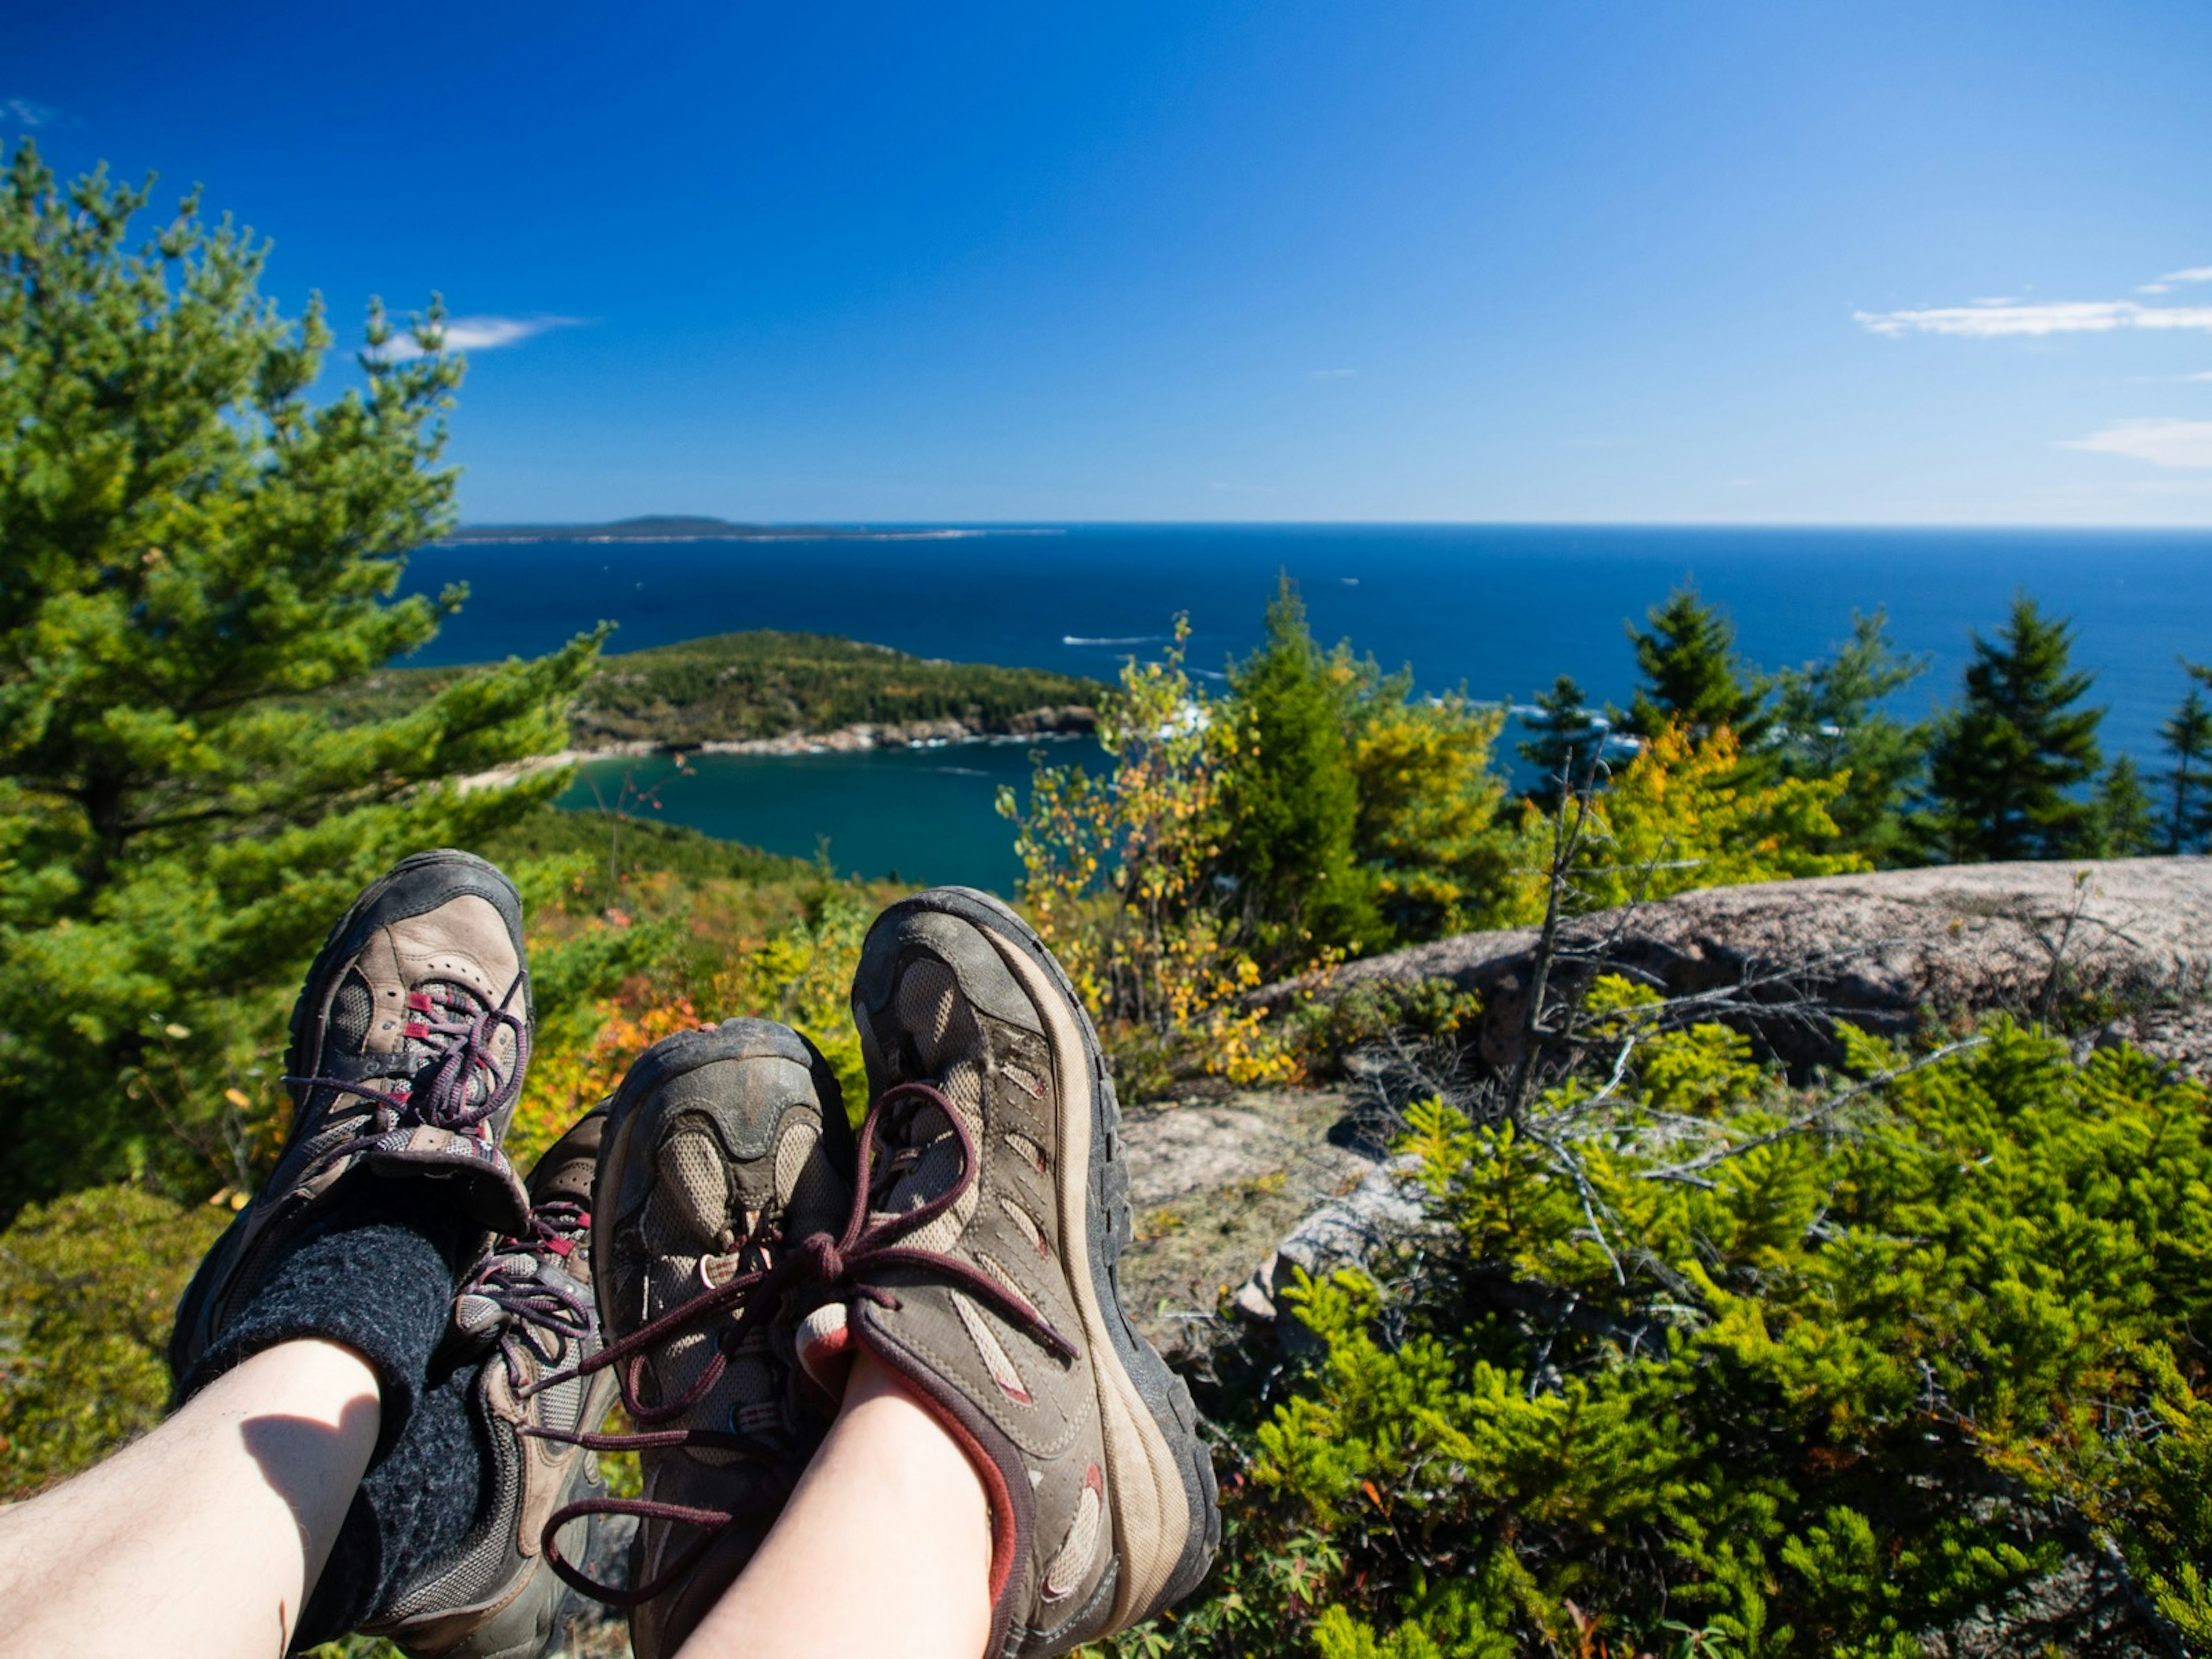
(990, 524)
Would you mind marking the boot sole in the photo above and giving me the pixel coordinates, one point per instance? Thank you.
(1148, 1418)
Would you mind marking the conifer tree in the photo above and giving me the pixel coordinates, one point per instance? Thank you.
(1693, 676)
(1565, 736)
(1427, 835)
(194, 560)
(2127, 818)
(2008, 765)
(1291, 801)
(2187, 736)
(1828, 721)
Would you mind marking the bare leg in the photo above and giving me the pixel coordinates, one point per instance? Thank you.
(205, 1537)
(885, 1548)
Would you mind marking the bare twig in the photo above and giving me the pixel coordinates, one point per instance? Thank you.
(2056, 976)
(1823, 1111)
(1573, 1168)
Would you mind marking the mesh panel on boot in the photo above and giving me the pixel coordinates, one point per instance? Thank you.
(814, 1198)
(930, 1006)
(351, 1010)
(948, 1044)
(690, 1204)
(693, 1213)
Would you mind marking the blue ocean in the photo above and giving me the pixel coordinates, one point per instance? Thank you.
(1500, 610)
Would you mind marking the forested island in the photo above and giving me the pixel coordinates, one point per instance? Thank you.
(778, 691)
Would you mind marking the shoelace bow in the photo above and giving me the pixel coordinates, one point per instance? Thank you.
(460, 1040)
(841, 1265)
(516, 1280)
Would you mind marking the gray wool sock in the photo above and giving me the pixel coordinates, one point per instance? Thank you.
(414, 1507)
(378, 1275)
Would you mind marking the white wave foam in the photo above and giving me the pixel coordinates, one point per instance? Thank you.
(1127, 639)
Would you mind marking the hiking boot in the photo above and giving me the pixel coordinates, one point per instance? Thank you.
(991, 1150)
(409, 1044)
(528, 1305)
(721, 1144)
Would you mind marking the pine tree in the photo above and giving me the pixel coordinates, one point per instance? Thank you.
(1693, 676)
(1566, 736)
(2008, 764)
(195, 560)
(1291, 803)
(1828, 721)
(2187, 736)
(2127, 818)
(1428, 837)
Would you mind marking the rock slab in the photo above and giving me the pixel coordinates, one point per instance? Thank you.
(1879, 948)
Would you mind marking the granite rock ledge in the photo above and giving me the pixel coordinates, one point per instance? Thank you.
(2132, 935)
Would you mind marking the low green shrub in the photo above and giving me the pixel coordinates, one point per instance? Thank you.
(88, 1288)
(1326, 1030)
(1708, 1365)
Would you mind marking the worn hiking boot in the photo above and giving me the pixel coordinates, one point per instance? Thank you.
(991, 1149)
(529, 1305)
(721, 1144)
(409, 1044)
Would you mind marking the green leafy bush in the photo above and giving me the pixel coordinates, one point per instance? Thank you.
(1708, 1364)
(88, 1286)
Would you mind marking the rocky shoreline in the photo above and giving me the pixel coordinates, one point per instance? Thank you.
(1036, 724)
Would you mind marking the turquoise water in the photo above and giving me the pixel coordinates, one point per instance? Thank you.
(1499, 609)
(925, 815)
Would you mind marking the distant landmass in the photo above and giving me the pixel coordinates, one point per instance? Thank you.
(677, 528)
(769, 692)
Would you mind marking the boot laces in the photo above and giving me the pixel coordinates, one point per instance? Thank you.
(462, 1083)
(843, 1266)
(543, 1304)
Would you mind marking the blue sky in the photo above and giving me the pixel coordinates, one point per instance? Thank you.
(1686, 262)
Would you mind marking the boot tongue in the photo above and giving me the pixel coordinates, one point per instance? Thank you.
(691, 1229)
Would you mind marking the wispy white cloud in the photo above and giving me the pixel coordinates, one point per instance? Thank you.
(2173, 278)
(2160, 442)
(28, 113)
(481, 334)
(1991, 321)
(1336, 374)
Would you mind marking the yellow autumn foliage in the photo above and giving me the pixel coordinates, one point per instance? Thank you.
(1683, 815)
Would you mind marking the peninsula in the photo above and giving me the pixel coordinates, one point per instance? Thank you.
(765, 691)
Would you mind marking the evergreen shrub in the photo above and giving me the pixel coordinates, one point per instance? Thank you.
(1708, 1364)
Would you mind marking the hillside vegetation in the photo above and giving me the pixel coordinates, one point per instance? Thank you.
(762, 684)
